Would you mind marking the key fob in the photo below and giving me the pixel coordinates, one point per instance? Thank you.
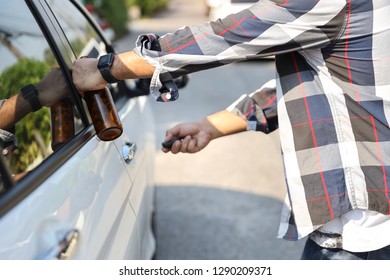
(168, 144)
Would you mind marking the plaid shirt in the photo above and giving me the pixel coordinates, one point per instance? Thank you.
(332, 96)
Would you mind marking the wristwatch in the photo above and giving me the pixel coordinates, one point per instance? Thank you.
(30, 94)
(104, 65)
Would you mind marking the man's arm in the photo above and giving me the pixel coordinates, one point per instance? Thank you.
(225, 123)
(198, 135)
(126, 65)
(51, 89)
(256, 111)
(214, 44)
(13, 110)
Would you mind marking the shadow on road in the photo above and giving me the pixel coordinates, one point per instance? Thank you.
(206, 223)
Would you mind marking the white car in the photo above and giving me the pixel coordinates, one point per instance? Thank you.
(88, 199)
(222, 8)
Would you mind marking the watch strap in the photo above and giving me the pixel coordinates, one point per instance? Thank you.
(30, 93)
(105, 68)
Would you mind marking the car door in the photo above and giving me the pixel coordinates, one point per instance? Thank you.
(137, 145)
(75, 201)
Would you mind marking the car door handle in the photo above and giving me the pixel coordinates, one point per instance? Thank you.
(128, 151)
(65, 248)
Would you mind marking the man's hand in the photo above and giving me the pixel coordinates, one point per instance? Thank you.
(197, 135)
(52, 88)
(86, 76)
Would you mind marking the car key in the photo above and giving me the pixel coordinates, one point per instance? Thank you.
(168, 144)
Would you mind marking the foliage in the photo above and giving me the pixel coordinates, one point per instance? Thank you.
(114, 11)
(148, 7)
(26, 71)
(33, 126)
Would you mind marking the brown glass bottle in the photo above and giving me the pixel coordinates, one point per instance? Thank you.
(62, 123)
(104, 115)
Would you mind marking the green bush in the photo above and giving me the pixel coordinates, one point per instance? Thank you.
(148, 7)
(114, 11)
(26, 71)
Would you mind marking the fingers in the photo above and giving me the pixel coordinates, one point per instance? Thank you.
(52, 88)
(186, 145)
(86, 76)
(196, 137)
(173, 132)
(168, 144)
(189, 145)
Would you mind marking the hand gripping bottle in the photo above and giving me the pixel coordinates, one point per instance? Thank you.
(103, 113)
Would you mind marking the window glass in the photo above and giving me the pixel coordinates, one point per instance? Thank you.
(79, 32)
(26, 58)
(81, 35)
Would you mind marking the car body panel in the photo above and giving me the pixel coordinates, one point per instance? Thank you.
(85, 193)
(141, 169)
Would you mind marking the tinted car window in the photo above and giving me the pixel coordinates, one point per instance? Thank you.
(82, 37)
(26, 58)
(80, 33)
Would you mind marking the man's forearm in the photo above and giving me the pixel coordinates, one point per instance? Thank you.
(129, 65)
(225, 123)
(12, 110)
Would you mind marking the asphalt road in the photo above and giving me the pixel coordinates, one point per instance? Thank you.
(225, 201)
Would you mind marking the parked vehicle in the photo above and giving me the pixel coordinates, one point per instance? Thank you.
(222, 8)
(89, 199)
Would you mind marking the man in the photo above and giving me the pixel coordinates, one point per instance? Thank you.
(332, 109)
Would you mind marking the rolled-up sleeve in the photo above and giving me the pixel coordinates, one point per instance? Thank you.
(259, 108)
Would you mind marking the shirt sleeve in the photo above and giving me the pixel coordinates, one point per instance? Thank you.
(269, 27)
(258, 108)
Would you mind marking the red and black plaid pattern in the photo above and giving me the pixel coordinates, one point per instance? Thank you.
(332, 98)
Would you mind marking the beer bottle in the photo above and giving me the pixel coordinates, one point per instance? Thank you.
(103, 113)
(62, 123)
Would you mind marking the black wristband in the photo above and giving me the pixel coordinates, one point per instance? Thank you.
(30, 94)
(104, 65)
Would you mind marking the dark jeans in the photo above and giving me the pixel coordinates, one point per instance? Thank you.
(312, 251)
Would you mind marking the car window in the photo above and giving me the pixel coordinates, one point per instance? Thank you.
(26, 58)
(81, 35)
